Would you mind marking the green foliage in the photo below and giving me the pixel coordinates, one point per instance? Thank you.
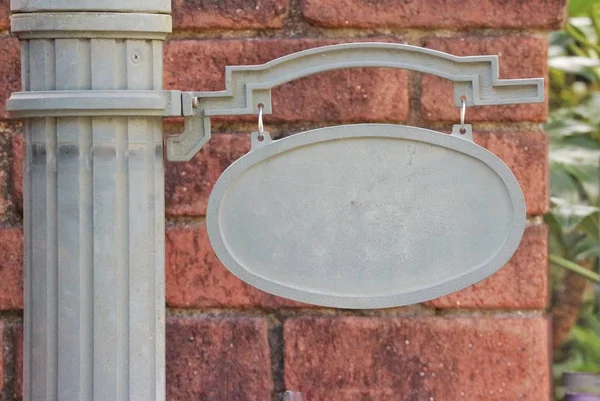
(585, 334)
(574, 132)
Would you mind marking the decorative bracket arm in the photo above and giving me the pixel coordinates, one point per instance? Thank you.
(474, 77)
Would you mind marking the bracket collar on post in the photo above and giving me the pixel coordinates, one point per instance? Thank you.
(47, 25)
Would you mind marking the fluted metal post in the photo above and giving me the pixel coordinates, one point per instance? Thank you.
(93, 203)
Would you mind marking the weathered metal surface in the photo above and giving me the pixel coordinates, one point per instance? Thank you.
(90, 25)
(475, 79)
(95, 103)
(147, 6)
(366, 216)
(93, 202)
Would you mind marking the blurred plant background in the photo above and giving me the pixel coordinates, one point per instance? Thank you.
(574, 131)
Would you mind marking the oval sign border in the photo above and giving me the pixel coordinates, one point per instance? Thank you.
(470, 277)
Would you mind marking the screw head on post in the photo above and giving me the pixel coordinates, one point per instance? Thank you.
(136, 57)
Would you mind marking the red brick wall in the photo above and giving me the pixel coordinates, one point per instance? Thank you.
(228, 341)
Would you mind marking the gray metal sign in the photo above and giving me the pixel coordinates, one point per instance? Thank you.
(361, 216)
(366, 216)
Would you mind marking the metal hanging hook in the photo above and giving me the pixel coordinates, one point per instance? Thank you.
(463, 112)
(261, 125)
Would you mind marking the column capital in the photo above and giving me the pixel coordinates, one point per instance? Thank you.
(55, 25)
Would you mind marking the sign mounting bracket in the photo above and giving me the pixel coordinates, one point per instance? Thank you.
(474, 77)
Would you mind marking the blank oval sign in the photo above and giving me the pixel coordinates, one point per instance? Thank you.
(366, 216)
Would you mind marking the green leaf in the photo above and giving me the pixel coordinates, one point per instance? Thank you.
(582, 31)
(585, 248)
(581, 7)
(590, 340)
(563, 185)
(575, 268)
(584, 27)
(586, 145)
(595, 21)
(572, 216)
(558, 41)
(573, 65)
(591, 252)
(561, 127)
(556, 241)
(588, 109)
(579, 162)
(587, 178)
(565, 153)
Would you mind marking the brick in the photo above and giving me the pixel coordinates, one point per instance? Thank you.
(17, 333)
(349, 95)
(18, 152)
(457, 14)
(521, 284)
(11, 360)
(4, 14)
(425, 358)
(195, 278)
(218, 358)
(7, 131)
(2, 362)
(10, 71)
(11, 268)
(188, 185)
(229, 14)
(520, 57)
(526, 154)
